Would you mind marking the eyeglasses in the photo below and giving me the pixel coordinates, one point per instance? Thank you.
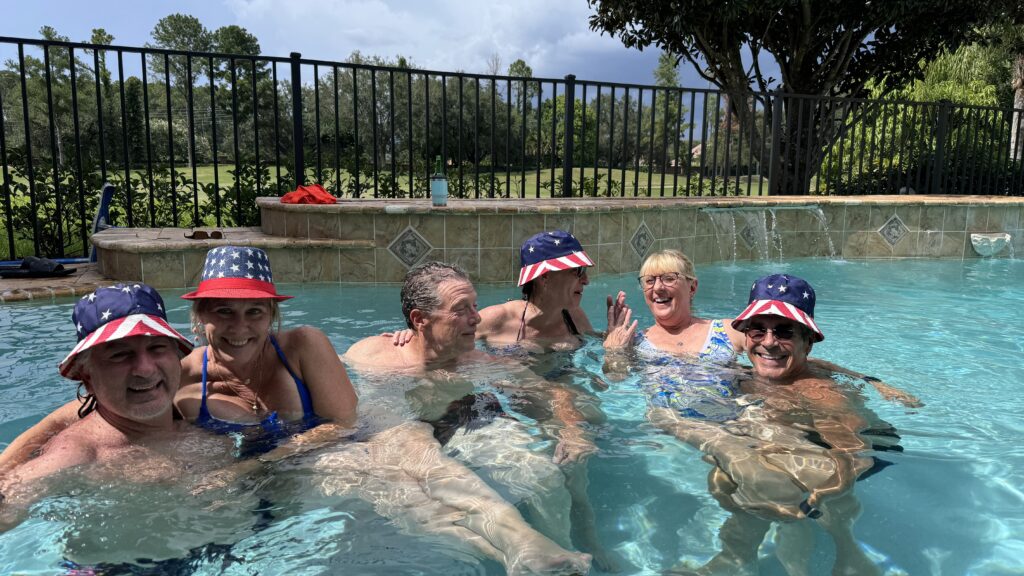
(668, 280)
(784, 332)
(204, 235)
(580, 271)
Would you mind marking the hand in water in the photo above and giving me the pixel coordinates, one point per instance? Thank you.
(225, 476)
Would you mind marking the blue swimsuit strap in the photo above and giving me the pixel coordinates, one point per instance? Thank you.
(300, 386)
(204, 412)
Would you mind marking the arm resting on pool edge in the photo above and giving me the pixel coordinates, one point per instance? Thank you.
(28, 443)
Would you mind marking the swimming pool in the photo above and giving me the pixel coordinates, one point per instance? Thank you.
(950, 332)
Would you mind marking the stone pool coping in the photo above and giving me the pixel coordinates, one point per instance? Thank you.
(377, 240)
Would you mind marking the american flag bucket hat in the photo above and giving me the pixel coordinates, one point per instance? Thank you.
(236, 272)
(116, 312)
(781, 295)
(550, 252)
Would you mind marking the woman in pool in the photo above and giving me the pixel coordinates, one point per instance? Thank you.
(796, 451)
(265, 387)
(552, 277)
(669, 284)
(251, 375)
(252, 379)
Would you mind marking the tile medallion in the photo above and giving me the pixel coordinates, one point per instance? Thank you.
(750, 236)
(893, 230)
(409, 247)
(642, 240)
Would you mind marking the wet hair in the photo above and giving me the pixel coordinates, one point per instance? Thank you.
(419, 289)
(202, 305)
(664, 261)
(528, 289)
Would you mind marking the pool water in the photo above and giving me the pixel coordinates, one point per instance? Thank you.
(950, 332)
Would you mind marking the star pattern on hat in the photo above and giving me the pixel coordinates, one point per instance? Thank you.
(230, 262)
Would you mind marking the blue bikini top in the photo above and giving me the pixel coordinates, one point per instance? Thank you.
(271, 423)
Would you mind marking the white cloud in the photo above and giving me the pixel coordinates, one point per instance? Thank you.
(435, 34)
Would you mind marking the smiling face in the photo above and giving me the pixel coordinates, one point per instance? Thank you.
(670, 302)
(452, 326)
(134, 378)
(777, 360)
(236, 328)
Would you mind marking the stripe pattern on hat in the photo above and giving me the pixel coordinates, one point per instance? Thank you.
(133, 325)
(574, 260)
(779, 308)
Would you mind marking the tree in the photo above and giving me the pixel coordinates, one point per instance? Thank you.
(185, 33)
(666, 74)
(829, 48)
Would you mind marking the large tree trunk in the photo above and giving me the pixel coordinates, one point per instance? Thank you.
(1017, 120)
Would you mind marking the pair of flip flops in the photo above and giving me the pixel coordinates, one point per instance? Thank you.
(33, 267)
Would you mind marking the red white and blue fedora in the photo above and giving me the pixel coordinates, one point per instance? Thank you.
(236, 272)
(550, 252)
(781, 295)
(116, 312)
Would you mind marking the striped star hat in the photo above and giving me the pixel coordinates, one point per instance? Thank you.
(781, 295)
(236, 272)
(550, 252)
(115, 312)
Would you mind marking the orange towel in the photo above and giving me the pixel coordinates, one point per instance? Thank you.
(311, 194)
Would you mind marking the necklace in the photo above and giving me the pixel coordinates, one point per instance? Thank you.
(246, 391)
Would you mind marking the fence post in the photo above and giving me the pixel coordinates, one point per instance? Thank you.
(941, 132)
(297, 135)
(775, 165)
(570, 116)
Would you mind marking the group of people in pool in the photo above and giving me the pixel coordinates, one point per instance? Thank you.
(785, 440)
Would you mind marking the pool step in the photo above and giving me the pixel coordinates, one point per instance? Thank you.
(165, 258)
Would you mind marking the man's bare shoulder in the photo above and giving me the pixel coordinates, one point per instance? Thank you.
(77, 444)
(376, 350)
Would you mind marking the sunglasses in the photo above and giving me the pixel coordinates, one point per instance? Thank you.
(204, 235)
(580, 271)
(785, 332)
(668, 280)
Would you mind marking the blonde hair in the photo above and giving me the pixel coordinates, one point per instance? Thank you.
(668, 261)
(199, 306)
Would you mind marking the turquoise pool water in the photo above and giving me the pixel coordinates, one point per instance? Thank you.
(950, 332)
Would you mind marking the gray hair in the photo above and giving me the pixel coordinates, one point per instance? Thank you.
(419, 290)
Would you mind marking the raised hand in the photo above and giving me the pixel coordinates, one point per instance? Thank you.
(620, 327)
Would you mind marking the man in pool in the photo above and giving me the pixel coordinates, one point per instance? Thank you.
(798, 447)
(128, 361)
(439, 305)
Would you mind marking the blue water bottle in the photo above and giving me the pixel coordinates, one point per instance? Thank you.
(438, 185)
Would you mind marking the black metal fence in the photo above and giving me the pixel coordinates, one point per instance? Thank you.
(191, 139)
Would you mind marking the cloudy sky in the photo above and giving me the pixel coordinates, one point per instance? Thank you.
(552, 36)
